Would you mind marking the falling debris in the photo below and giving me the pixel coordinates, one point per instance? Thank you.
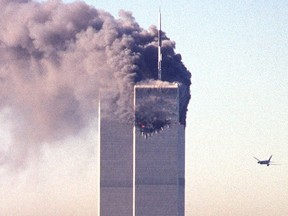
(151, 123)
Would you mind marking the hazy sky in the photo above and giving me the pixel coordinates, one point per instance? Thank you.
(237, 54)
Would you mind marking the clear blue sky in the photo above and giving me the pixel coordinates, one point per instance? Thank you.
(237, 52)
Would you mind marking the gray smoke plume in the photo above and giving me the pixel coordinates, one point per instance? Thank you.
(55, 58)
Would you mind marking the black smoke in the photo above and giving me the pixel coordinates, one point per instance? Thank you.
(155, 107)
(56, 58)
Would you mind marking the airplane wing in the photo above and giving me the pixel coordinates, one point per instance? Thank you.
(274, 164)
(257, 159)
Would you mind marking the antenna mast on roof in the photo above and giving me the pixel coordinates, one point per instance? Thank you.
(159, 47)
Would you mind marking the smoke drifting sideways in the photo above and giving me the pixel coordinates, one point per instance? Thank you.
(55, 58)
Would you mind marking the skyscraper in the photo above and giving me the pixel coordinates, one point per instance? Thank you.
(159, 151)
(142, 166)
(116, 166)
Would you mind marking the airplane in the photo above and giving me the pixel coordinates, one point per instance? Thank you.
(265, 162)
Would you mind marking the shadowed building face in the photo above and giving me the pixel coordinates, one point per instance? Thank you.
(116, 168)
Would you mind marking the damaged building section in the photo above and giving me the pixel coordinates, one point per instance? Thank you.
(153, 112)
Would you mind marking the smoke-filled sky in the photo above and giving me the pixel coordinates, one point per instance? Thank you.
(237, 53)
(57, 58)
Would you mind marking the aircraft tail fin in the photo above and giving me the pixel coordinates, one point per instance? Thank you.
(270, 158)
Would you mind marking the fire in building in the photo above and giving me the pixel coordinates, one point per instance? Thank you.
(142, 162)
(57, 58)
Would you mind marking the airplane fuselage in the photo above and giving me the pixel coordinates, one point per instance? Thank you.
(264, 162)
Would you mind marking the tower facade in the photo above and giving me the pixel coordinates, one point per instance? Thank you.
(115, 167)
(142, 165)
(159, 151)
